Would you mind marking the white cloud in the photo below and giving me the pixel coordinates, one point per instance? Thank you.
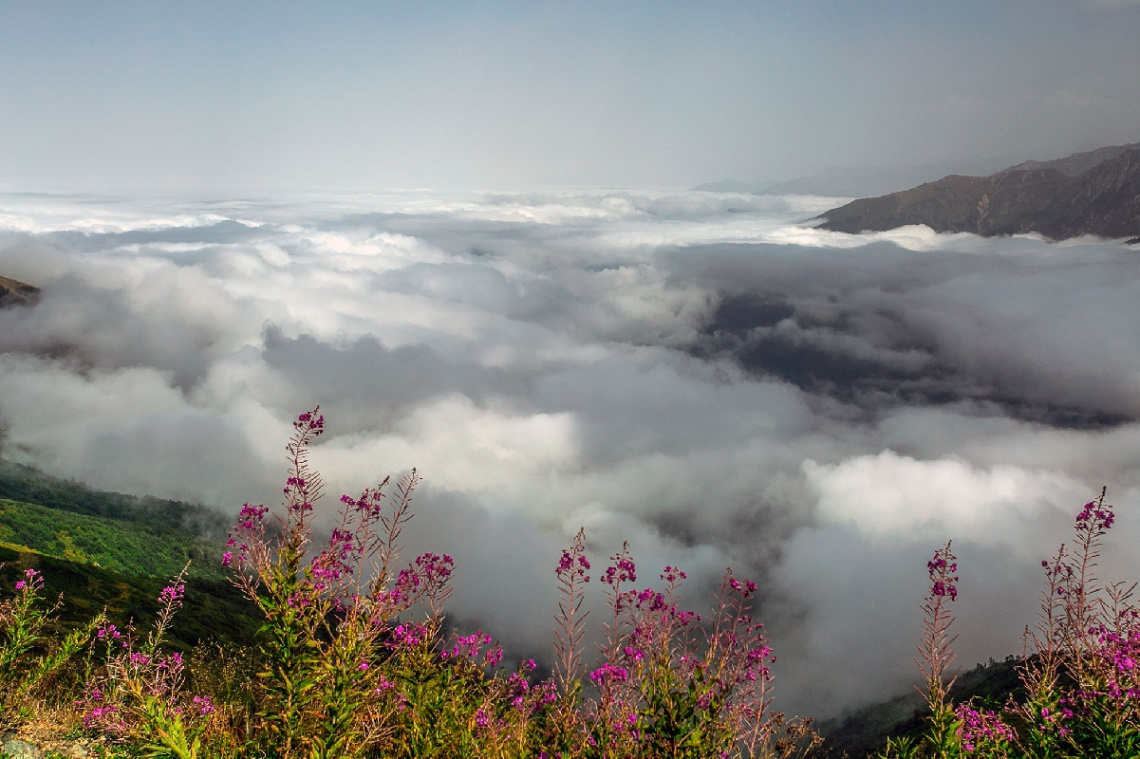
(551, 361)
(886, 495)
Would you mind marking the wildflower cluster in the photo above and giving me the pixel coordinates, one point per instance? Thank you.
(28, 663)
(354, 660)
(139, 693)
(1080, 672)
(672, 683)
(982, 731)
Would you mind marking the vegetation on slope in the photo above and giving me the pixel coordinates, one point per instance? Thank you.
(122, 546)
(216, 611)
(28, 485)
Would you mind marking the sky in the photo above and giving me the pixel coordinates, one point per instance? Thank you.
(471, 95)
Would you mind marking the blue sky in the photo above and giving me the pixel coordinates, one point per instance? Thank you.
(509, 95)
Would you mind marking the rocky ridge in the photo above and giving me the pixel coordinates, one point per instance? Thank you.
(1093, 193)
(15, 293)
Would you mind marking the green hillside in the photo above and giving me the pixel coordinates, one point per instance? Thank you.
(212, 610)
(29, 485)
(114, 551)
(121, 546)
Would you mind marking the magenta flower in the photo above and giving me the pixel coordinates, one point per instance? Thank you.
(942, 578)
(172, 594)
(608, 674)
(982, 729)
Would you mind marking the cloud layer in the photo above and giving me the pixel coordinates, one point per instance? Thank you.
(703, 375)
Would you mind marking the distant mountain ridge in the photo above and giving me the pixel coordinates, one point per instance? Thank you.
(856, 181)
(1094, 193)
(1077, 163)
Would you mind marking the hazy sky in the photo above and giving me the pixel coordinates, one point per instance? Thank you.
(222, 95)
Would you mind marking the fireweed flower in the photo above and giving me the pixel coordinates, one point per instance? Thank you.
(623, 570)
(725, 660)
(1095, 516)
(941, 570)
(370, 503)
(608, 674)
(108, 631)
(467, 646)
(568, 565)
(32, 580)
(173, 662)
(434, 568)
(978, 730)
(407, 635)
(204, 705)
(172, 594)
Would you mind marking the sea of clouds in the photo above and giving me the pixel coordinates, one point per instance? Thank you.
(704, 375)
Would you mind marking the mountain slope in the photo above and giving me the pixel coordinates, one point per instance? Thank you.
(865, 733)
(108, 550)
(14, 293)
(121, 546)
(213, 610)
(1044, 197)
(28, 485)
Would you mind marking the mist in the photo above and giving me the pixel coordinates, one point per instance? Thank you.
(703, 375)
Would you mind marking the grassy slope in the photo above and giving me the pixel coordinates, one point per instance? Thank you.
(213, 610)
(28, 485)
(107, 550)
(121, 546)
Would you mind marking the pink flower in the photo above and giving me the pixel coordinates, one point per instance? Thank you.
(172, 594)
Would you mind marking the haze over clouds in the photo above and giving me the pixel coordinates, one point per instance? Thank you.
(700, 374)
(703, 374)
(294, 95)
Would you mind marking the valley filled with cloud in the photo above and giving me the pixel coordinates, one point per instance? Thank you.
(704, 375)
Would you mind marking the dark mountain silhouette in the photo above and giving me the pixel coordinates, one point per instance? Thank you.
(1094, 193)
(864, 733)
(13, 293)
